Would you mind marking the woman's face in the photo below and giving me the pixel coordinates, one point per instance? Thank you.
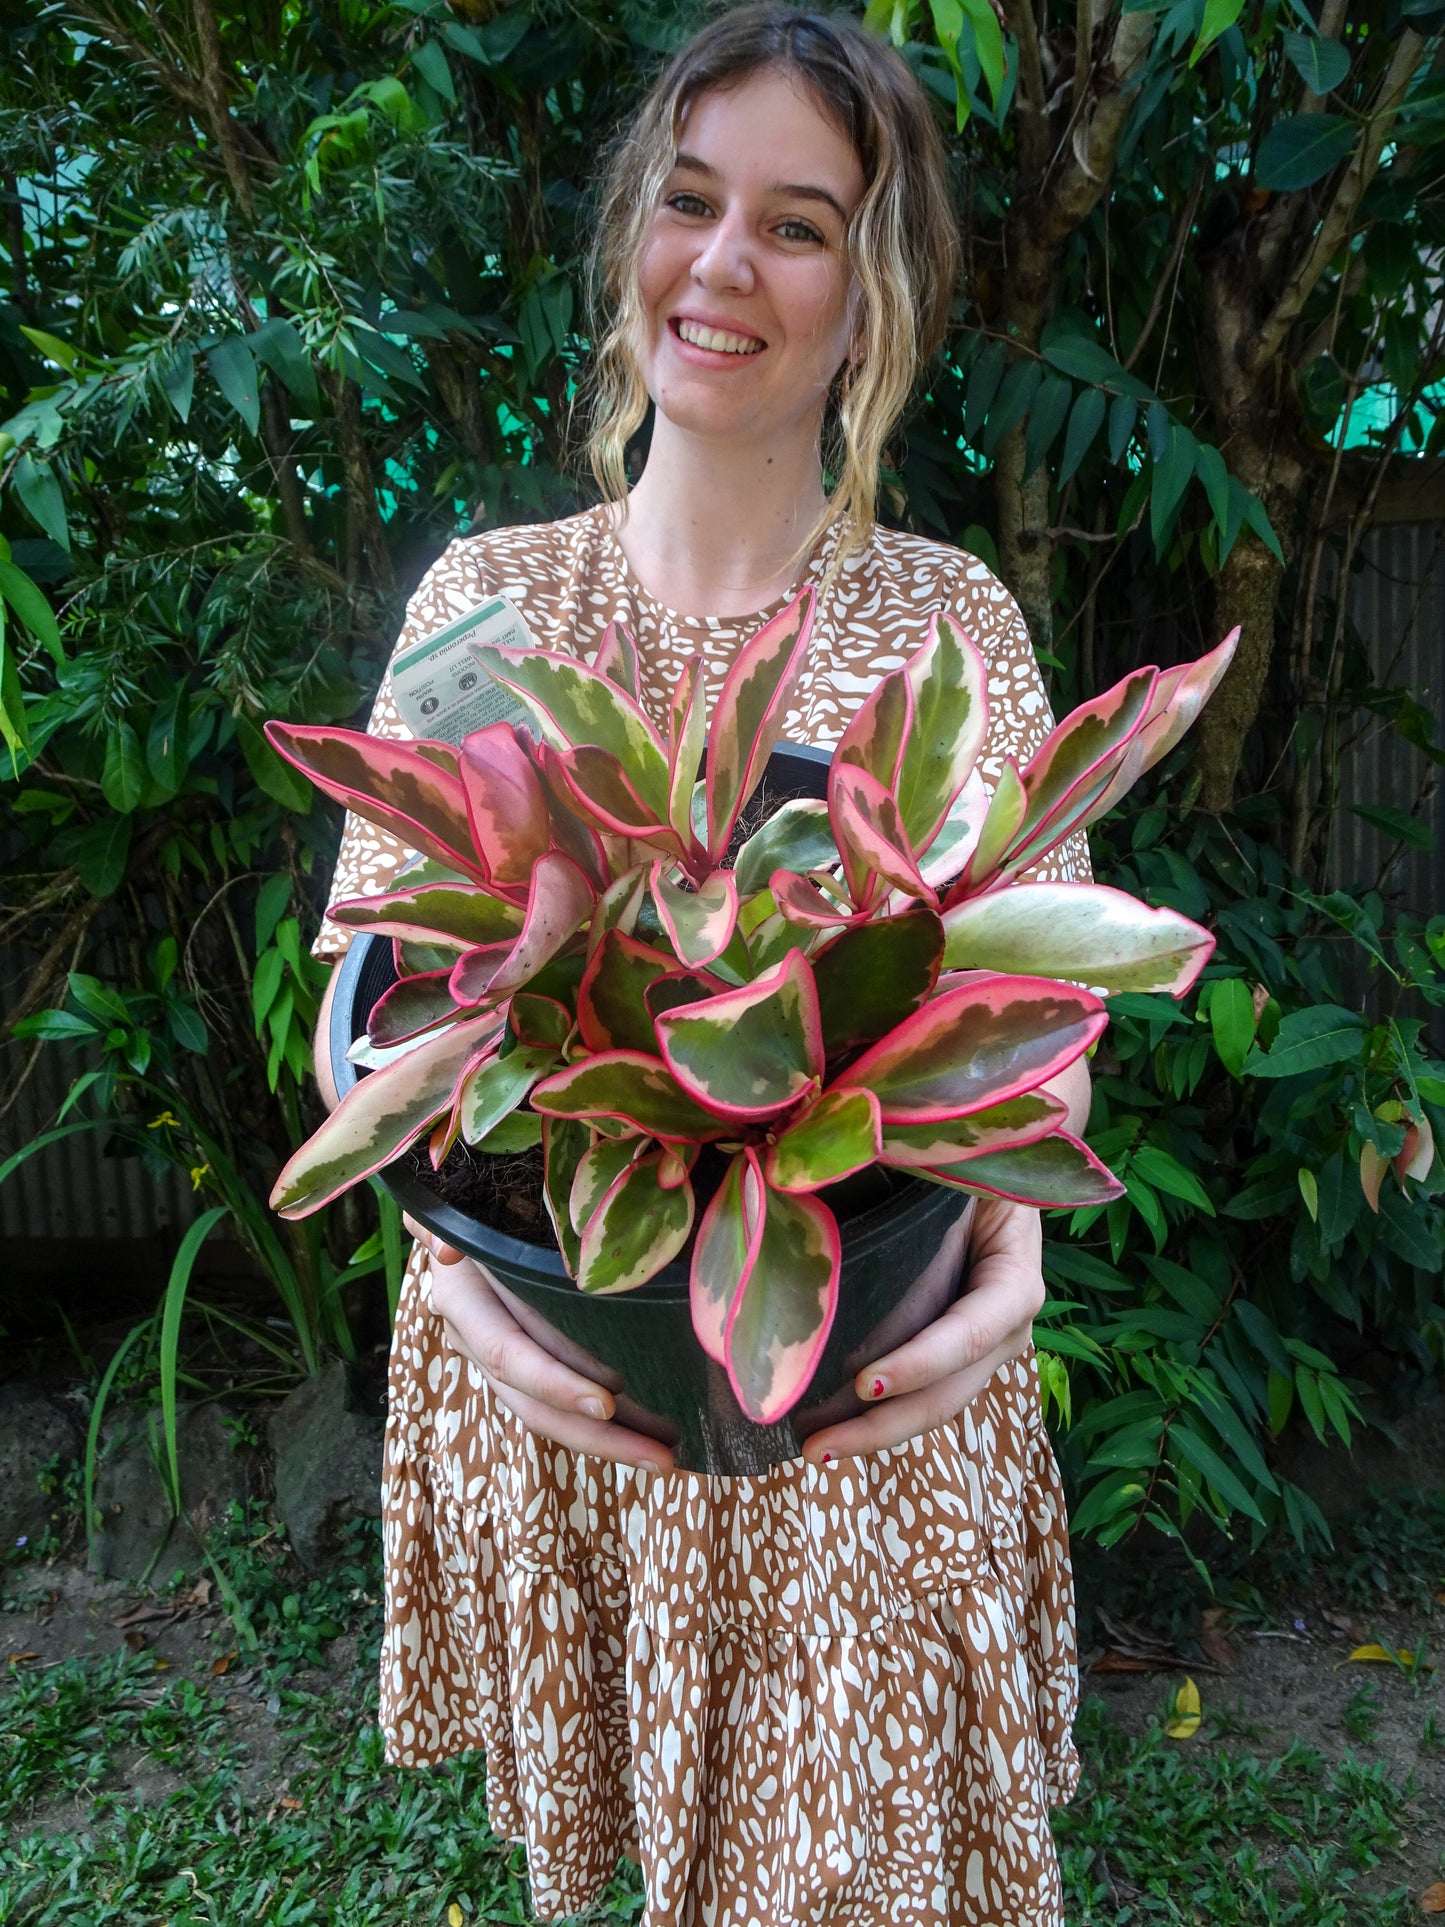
(746, 290)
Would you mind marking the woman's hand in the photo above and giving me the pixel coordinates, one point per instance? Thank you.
(949, 1362)
(546, 1395)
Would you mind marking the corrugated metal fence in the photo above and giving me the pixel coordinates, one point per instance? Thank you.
(1397, 604)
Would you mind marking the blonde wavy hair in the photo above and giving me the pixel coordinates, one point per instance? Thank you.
(902, 240)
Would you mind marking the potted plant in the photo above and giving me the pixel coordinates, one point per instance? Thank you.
(720, 1051)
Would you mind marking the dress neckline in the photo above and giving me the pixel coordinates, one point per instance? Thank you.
(628, 580)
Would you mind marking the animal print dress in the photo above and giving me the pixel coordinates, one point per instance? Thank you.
(824, 1694)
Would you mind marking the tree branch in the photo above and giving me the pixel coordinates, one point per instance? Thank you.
(218, 105)
(1033, 96)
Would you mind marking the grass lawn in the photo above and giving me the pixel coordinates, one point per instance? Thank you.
(165, 1772)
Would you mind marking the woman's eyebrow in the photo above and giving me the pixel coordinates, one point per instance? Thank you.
(794, 190)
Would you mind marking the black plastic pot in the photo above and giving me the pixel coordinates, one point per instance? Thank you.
(903, 1245)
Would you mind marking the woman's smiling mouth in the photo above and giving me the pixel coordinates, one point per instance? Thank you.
(719, 340)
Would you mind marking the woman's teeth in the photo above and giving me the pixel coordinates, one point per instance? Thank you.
(714, 338)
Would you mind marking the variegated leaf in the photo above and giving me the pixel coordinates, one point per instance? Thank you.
(390, 784)
(797, 836)
(414, 1004)
(518, 1131)
(616, 659)
(618, 906)
(633, 1087)
(1085, 933)
(1001, 825)
(1180, 694)
(1058, 1170)
(751, 1051)
(699, 923)
(602, 792)
(377, 1119)
(839, 1133)
(543, 1022)
(637, 1228)
(728, 1240)
(598, 1171)
(575, 707)
(977, 1043)
(949, 682)
(686, 740)
(782, 1314)
(873, 975)
(870, 835)
(1020, 1120)
(749, 714)
(559, 905)
(461, 911)
(565, 1141)
(874, 740)
(1077, 760)
(474, 972)
(951, 850)
(495, 1087)
(611, 1012)
(801, 901)
(679, 987)
(506, 803)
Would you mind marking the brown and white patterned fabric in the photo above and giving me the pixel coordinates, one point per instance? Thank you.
(820, 1695)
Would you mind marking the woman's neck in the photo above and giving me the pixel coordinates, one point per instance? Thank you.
(713, 530)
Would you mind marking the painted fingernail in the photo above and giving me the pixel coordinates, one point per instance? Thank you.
(877, 1391)
(827, 1458)
(593, 1407)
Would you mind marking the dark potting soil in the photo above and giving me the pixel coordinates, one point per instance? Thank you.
(504, 1192)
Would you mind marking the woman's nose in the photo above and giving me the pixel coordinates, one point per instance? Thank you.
(725, 262)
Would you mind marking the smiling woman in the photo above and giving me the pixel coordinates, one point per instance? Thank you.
(841, 1689)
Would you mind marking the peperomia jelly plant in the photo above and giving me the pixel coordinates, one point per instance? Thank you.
(866, 983)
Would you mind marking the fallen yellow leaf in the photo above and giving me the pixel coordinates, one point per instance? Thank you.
(1382, 1655)
(1432, 1901)
(454, 1915)
(1184, 1712)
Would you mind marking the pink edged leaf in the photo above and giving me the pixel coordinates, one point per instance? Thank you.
(952, 849)
(1078, 759)
(873, 975)
(801, 902)
(728, 1241)
(686, 740)
(542, 1023)
(599, 788)
(586, 846)
(377, 1119)
(495, 1087)
(676, 1165)
(839, 1133)
(949, 684)
(565, 1142)
(1007, 809)
(475, 970)
(559, 904)
(413, 959)
(611, 1012)
(597, 1172)
(454, 912)
(506, 802)
(1180, 694)
(749, 714)
(874, 740)
(796, 837)
(870, 835)
(976, 1044)
(616, 659)
(1083, 932)
(636, 1229)
(749, 1052)
(680, 987)
(414, 1004)
(575, 707)
(1058, 1170)
(699, 923)
(619, 906)
(783, 1312)
(390, 784)
(1020, 1120)
(636, 1089)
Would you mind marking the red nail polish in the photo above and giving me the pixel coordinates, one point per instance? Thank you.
(878, 1388)
(827, 1458)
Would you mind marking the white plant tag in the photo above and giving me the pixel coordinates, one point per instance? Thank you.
(441, 689)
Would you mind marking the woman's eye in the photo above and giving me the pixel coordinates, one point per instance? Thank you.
(684, 203)
(796, 230)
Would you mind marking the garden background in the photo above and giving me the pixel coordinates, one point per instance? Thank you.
(293, 295)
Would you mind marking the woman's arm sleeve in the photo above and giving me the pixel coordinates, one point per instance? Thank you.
(1019, 716)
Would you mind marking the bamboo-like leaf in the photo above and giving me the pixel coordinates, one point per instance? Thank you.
(575, 707)
(795, 837)
(699, 923)
(749, 714)
(1085, 933)
(1020, 1120)
(610, 1008)
(975, 1045)
(873, 975)
(633, 1087)
(749, 1052)
(616, 659)
(506, 802)
(463, 912)
(376, 1119)
(1057, 1170)
(783, 1311)
(634, 1231)
(390, 784)
(949, 683)
(728, 1241)
(839, 1133)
